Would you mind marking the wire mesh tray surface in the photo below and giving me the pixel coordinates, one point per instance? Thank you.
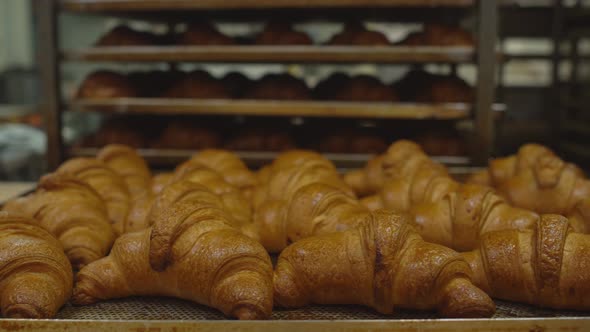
(156, 308)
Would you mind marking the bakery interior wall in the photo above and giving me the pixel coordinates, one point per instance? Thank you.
(525, 80)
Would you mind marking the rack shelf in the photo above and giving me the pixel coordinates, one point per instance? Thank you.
(156, 5)
(282, 54)
(257, 158)
(274, 108)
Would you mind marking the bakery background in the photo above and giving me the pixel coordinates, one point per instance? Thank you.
(538, 94)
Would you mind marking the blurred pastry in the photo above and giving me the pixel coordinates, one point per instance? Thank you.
(203, 34)
(421, 86)
(279, 87)
(276, 33)
(106, 84)
(365, 88)
(152, 83)
(357, 34)
(261, 139)
(199, 85)
(123, 35)
(327, 88)
(439, 35)
(236, 84)
(352, 141)
(184, 135)
(441, 144)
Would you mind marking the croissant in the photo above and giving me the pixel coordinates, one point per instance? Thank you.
(400, 161)
(444, 211)
(191, 252)
(108, 184)
(73, 212)
(160, 181)
(129, 165)
(538, 180)
(382, 264)
(134, 171)
(545, 266)
(308, 197)
(234, 171)
(35, 275)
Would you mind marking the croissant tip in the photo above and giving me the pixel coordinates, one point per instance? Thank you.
(23, 310)
(248, 312)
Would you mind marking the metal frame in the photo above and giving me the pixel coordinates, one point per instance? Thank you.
(483, 132)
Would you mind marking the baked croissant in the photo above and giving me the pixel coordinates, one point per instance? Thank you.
(108, 184)
(234, 171)
(35, 275)
(129, 165)
(400, 161)
(538, 180)
(545, 266)
(383, 264)
(306, 198)
(191, 252)
(73, 212)
(134, 171)
(444, 211)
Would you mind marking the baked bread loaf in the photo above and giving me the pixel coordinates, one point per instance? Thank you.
(71, 211)
(544, 266)
(365, 88)
(105, 84)
(260, 139)
(123, 35)
(203, 33)
(278, 87)
(357, 34)
(189, 229)
(376, 265)
(278, 33)
(236, 84)
(35, 275)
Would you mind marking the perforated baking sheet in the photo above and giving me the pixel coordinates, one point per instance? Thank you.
(153, 308)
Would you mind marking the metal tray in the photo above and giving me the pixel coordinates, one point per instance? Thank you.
(166, 314)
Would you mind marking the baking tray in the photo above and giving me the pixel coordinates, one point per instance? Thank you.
(278, 54)
(374, 110)
(167, 314)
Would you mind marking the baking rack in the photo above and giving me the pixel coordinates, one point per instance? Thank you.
(483, 55)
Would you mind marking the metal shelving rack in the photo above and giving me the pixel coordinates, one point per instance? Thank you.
(484, 56)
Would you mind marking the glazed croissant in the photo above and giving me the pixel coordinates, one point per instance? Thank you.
(191, 252)
(108, 184)
(73, 212)
(538, 180)
(383, 264)
(35, 275)
(545, 266)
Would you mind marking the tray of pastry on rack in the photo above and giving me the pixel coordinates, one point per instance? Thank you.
(298, 246)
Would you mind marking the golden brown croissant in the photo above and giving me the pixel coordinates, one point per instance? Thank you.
(108, 184)
(234, 171)
(191, 252)
(383, 264)
(161, 180)
(400, 161)
(444, 211)
(129, 165)
(300, 200)
(538, 180)
(35, 275)
(545, 266)
(73, 212)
